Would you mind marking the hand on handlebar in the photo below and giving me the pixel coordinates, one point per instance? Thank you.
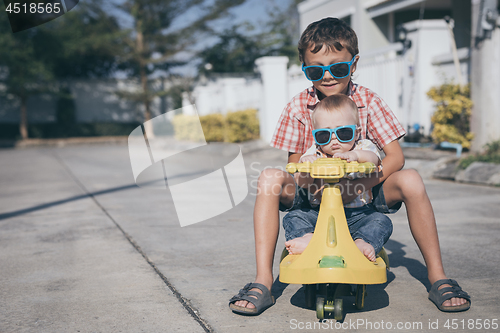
(349, 156)
(308, 158)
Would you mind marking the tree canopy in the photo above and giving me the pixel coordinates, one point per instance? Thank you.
(239, 46)
(159, 34)
(83, 44)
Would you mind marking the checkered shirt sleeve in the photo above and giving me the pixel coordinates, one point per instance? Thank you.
(378, 122)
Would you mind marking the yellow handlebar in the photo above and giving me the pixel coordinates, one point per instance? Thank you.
(330, 168)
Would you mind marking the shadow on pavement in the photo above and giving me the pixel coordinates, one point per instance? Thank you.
(397, 259)
(7, 215)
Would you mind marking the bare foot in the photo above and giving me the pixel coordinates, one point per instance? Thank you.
(299, 244)
(366, 249)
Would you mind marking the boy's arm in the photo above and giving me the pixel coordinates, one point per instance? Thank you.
(394, 161)
(294, 157)
(301, 178)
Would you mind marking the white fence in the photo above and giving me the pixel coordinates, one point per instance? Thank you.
(227, 94)
(268, 93)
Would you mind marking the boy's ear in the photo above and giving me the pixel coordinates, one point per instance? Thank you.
(354, 65)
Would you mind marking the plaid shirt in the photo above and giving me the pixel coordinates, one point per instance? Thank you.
(294, 130)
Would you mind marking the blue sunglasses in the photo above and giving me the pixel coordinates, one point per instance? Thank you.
(323, 136)
(338, 70)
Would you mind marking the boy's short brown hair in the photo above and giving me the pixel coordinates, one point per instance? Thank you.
(338, 103)
(332, 32)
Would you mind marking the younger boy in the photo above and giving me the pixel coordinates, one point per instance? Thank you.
(336, 130)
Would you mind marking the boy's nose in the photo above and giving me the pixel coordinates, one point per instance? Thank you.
(328, 76)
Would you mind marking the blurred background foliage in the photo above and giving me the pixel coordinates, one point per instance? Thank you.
(238, 126)
(451, 119)
(491, 154)
(139, 40)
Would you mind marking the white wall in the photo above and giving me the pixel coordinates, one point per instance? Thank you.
(403, 81)
(386, 78)
(430, 38)
(485, 88)
(314, 10)
(269, 94)
(297, 81)
(445, 69)
(227, 94)
(273, 71)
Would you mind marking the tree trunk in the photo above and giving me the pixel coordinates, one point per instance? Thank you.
(148, 127)
(23, 123)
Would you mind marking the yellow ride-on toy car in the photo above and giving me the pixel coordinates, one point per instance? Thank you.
(332, 261)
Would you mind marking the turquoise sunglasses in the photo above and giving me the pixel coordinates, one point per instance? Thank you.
(338, 70)
(323, 136)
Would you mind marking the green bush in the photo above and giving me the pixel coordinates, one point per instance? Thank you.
(491, 155)
(187, 128)
(236, 126)
(242, 126)
(451, 119)
(213, 127)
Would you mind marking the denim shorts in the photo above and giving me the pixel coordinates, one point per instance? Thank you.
(379, 201)
(301, 200)
(364, 222)
(301, 217)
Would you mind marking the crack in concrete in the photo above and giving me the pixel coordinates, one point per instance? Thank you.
(185, 302)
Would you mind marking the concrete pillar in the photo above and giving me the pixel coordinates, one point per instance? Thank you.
(357, 24)
(485, 80)
(273, 72)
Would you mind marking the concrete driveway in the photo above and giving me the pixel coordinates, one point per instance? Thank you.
(83, 249)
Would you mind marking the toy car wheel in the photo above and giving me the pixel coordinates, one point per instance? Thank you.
(320, 310)
(338, 310)
(310, 295)
(360, 296)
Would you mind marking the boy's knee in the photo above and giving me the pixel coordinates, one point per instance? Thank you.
(270, 174)
(410, 183)
(384, 222)
(271, 177)
(271, 181)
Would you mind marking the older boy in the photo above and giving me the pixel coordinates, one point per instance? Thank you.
(329, 52)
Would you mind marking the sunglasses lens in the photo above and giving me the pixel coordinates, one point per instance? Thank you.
(314, 73)
(345, 134)
(322, 137)
(340, 70)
